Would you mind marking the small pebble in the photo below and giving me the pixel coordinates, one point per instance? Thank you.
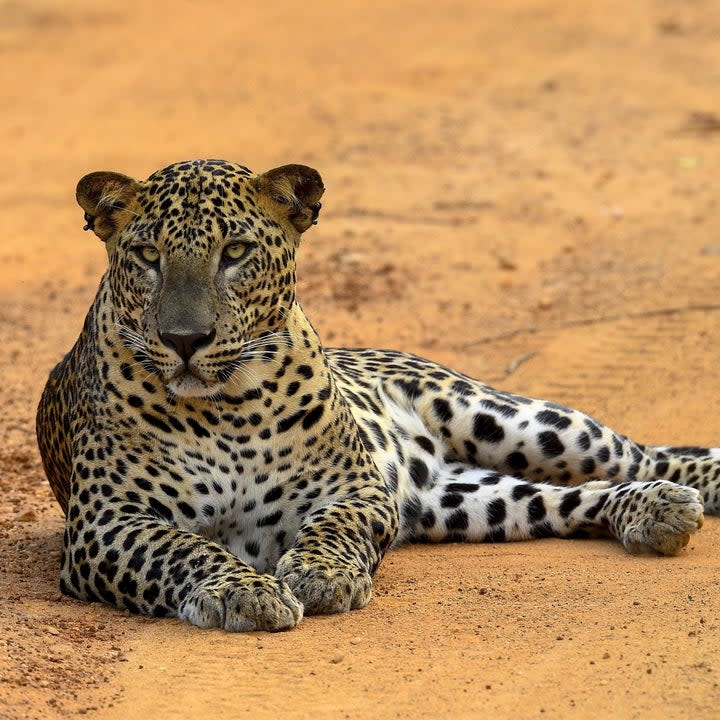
(544, 303)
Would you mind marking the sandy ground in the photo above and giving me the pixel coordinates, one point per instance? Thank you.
(524, 190)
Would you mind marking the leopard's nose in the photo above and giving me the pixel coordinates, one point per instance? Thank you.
(186, 344)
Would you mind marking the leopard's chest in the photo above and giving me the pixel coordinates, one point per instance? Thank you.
(252, 510)
(240, 486)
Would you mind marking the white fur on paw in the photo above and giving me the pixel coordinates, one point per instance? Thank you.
(667, 515)
(259, 604)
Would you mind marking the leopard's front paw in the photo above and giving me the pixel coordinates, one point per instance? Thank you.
(666, 516)
(258, 603)
(324, 587)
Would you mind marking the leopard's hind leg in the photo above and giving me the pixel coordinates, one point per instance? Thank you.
(482, 505)
(501, 466)
(468, 462)
(541, 441)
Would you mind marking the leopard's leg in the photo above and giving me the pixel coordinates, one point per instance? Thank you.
(542, 441)
(119, 553)
(330, 565)
(483, 505)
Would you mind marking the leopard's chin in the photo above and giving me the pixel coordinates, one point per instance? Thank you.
(189, 385)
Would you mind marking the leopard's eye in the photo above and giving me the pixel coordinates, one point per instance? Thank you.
(235, 251)
(149, 254)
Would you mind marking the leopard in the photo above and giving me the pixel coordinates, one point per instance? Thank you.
(216, 463)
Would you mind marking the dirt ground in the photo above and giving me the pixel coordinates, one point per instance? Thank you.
(523, 190)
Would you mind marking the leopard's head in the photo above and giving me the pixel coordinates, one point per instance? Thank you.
(201, 262)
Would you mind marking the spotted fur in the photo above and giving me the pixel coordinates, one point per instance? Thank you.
(215, 463)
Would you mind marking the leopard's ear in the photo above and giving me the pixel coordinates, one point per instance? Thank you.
(106, 197)
(295, 191)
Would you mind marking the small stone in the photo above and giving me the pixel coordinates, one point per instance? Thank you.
(355, 640)
(337, 657)
(688, 162)
(506, 263)
(710, 249)
(27, 516)
(545, 303)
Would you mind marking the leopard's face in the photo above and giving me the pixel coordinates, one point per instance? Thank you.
(202, 266)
